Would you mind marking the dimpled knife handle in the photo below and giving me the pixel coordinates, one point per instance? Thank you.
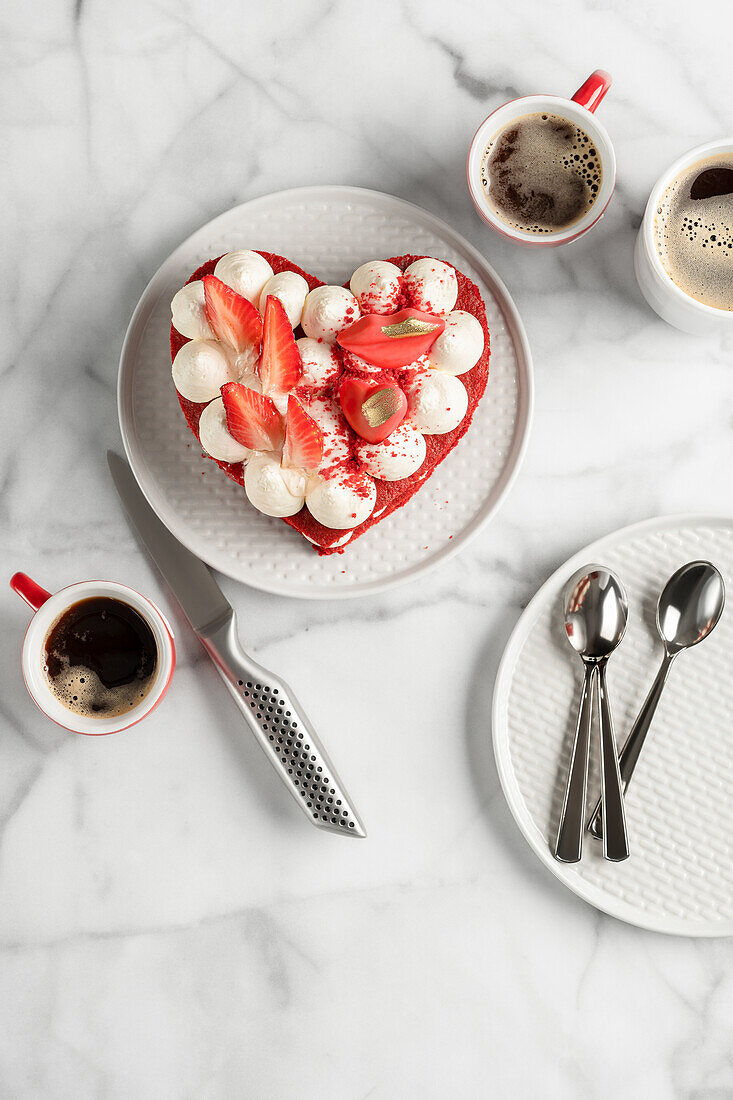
(284, 732)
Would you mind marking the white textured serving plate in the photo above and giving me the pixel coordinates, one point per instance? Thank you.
(679, 878)
(329, 231)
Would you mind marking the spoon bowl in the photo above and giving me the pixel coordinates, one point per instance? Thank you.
(596, 612)
(690, 605)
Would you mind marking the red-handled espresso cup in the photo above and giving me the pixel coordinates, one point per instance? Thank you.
(578, 110)
(48, 610)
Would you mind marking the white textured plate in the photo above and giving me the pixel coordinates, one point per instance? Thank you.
(328, 231)
(679, 878)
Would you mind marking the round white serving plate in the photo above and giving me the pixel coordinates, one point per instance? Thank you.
(679, 877)
(328, 231)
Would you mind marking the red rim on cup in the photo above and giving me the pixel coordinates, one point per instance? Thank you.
(579, 110)
(48, 610)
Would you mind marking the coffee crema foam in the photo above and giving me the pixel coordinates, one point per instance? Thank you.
(81, 691)
(541, 173)
(100, 658)
(693, 231)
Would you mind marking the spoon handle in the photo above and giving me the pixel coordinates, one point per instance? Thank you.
(615, 840)
(569, 843)
(635, 741)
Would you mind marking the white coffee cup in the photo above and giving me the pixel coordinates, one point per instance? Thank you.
(48, 610)
(578, 110)
(660, 290)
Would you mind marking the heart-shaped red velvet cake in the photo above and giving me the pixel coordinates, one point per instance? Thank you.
(329, 405)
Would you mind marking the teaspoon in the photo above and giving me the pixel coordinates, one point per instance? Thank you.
(596, 613)
(689, 607)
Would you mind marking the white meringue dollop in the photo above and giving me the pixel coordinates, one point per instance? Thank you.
(214, 435)
(398, 456)
(431, 285)
(321, 364)
(342, 500)
(188, 312)
(357, 365)
(200, 369)
(437, 402)
(271, 488)
(377, 286)
(460, 346)
(244, 362)
(246, 272)
(328, 310)
(336, 542)
(247, 377)
(336, 439)
(291, 289)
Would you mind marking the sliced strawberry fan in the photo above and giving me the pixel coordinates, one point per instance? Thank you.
(390, 495)
(232, 317)
(303, 438)
(280, 368)
(252, 418)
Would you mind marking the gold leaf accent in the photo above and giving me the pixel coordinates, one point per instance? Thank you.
(411, 327)
(379, 406)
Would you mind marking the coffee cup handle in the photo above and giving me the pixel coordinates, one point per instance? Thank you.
(590, 93)
(29, 591)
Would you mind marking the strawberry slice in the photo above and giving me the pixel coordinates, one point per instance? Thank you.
(252, 418)
(303, 438)
(231, 316)
(392, 341)
(280, 367)
(373, 409)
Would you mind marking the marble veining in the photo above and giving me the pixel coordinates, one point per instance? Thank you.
(169, 926)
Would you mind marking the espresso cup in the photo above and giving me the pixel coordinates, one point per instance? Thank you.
(48, 610)
(578, 110)
(668, 300)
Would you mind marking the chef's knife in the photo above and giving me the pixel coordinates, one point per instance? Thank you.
(269, 707)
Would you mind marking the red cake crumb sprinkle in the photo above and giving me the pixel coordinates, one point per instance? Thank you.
(353, 479)
(390, 494)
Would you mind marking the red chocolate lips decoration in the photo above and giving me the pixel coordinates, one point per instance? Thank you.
(392, 341)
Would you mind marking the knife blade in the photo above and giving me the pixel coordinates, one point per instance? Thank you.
(267, 704)
(197, 592)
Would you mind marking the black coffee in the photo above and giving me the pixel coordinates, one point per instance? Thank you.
(541, 173)
(100, 658)
(694, 231)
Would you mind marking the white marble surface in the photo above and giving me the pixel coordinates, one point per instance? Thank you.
(169, 925)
